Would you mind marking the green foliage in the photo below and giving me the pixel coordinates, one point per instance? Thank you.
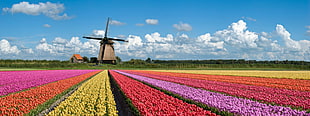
(148, 60)
(39, 64)
(160, 64)
(85, 59)
(133, 109)
(118, 60)
(204, 106)
(49, 102)
(135, 61)
(93, 60)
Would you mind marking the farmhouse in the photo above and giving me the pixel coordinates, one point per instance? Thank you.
(76, 58)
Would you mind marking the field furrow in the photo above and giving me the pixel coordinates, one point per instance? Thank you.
(22, 102)
(247, 73)
(265, 94)
(294, 84)
(93, 97)
(150, 101)
(13, 81)
(232, 104)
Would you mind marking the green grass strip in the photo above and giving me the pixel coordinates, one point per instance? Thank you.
(40, 108)
(204, 106)
(134, 110)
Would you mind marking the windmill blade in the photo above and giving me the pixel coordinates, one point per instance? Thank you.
(97, 38)
(106, 28)
(117, 39)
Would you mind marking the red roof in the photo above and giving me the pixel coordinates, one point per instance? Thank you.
(78, 56)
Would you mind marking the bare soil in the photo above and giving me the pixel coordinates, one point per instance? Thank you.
(121, 104)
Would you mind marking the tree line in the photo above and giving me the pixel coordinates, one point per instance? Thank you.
(160, 64)
(230, 61)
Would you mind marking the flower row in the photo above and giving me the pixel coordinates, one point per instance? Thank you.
(252, 73)
(266, 94)
(223, 102)
(150, 101)
(93, 97)
(13, 81)
(294, 84)
(22, 102)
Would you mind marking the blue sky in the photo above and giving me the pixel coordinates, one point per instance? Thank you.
(161, 29)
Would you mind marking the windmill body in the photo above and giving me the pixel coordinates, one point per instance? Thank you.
(106, 53)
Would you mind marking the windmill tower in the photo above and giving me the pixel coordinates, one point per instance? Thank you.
(106, 52)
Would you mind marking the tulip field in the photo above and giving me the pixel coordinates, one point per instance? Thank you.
(155, 92)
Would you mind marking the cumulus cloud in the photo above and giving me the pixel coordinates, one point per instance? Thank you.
(61, 48)
(292, 47)
(115, 22)
(155, 45)
(151, 21)
(64, 48)
(286, 36)
(210, 42)
(52, 10)
(155, 37)
(47, 25)
(98, 33)
(234, 42)
(183, 27)
(7, 48)
(237, 36)
(27, 51)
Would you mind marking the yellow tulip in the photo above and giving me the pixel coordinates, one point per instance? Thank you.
(91, 95)
(253, 73)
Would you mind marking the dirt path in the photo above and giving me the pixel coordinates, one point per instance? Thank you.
(121, 104)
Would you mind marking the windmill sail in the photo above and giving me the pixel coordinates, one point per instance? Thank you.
(106, 52)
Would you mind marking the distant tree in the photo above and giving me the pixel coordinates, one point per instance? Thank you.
(93, 60)
(118, 60)
(148, 60)
(135, 61)
(85, 59)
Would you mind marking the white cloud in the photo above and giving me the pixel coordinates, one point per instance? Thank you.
(151, 21)
(265, 34)
(59, 40)
(248, 18)
(44, 46)
(183, 27)
(47, 25)
(121, 36)
(234, 42)
(98, 33)
(133, 48)
(28, 51)
(155, 37)
(308, 31)
(286, 36)
(211, 42)
(293, 49)
(63, 48)
(115, 22)
(237, 36)
(6, 48)
(52, 10)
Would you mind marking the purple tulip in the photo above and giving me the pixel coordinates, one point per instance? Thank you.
(223, 102)
(13, 81)
(267, 94)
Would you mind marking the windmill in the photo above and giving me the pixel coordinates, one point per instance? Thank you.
(106, 52)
